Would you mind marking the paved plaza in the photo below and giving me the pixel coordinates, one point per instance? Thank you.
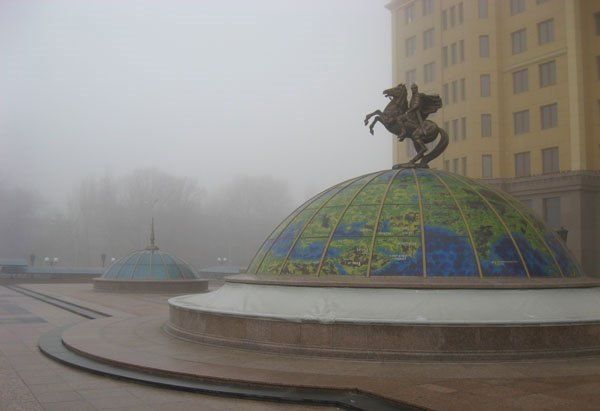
(30, 381)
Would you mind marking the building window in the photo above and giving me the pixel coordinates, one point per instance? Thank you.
(548, 74)
(486, 166)
(428, 38)
(445, 56)
(411, 76)
(550, 160)
(463, 89)
(463, 128)
(461, 13)
(446, 94)
(517, 6)
(411, 46)
(519, 41)
(447, 127)
(484, 46)
(444, 20)
(549, 115)
(454, 91)
(597, 21)
(546, 31)
(552, 212)
(482, 6)
(428, 6)
(528, 203)
(461, 50)
(429, 72)
(522, 164)
(598, 66)
(453, 54)
(520, 82)
(446, 165)
(455, 129)
(452, 16)
(464, 166)
(485, 85)
(521, 122)
(455, 165)
(409, 13)
(486, 125)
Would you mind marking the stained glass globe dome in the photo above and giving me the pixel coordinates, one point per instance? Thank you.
(414, 222)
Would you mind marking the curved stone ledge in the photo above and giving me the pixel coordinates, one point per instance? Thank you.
(386, 341)
(150, 286)
(91, 348)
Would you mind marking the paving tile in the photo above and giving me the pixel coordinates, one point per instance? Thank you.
(86, 384)
(14, 392)
(497, 391)
(532, 387)
(438, 388)
(53, 387)
(69, 406)
(90, 394)
(23, 406)
(585, 391)
(155, 395)
(104, 403)
(42, 372)
(544, 402)
(132, 408)
(42, 379)
(57, 396)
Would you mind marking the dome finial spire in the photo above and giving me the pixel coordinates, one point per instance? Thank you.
(152, 245)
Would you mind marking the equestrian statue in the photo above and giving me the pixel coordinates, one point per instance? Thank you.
(408, 119)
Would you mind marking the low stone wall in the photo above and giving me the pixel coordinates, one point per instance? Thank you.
(386, 341)
(45, 278)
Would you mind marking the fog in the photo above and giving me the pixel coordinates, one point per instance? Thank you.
(256, 99)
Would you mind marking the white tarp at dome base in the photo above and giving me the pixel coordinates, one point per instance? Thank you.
(399, 306)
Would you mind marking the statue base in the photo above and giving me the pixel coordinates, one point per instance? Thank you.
(409, 165)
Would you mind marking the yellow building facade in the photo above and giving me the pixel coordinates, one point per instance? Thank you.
(520, 82)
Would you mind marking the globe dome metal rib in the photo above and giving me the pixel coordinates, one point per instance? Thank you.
(414, 222)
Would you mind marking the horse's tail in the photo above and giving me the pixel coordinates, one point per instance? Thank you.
(439, 148)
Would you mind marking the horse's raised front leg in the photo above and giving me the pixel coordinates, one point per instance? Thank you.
(373, 124)
(375, 113)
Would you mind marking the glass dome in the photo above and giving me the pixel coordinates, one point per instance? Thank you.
(414, 222)
(150, 264)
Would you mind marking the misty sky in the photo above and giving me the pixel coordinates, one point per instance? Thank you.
(206, 89)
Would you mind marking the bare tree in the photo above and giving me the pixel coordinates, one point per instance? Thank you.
(112, 216)
(247, 210)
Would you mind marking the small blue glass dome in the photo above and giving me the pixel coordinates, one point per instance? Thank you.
(150, 264)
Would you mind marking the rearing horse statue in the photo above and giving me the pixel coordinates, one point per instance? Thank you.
(409, 120)
(396, 107)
